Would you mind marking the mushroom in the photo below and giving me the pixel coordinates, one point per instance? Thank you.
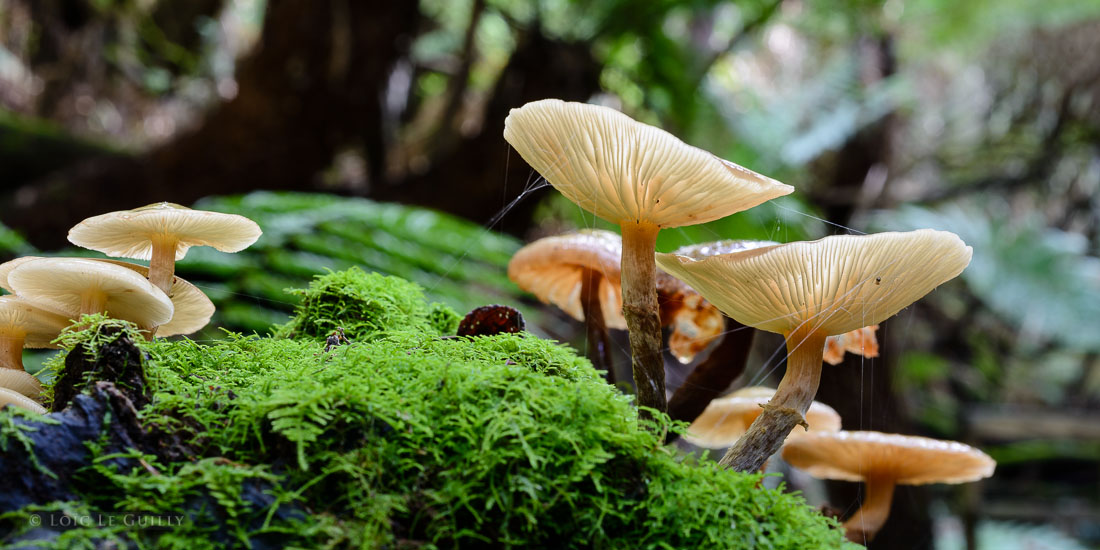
(860, 341)
(807, 291)
(14, 398)
(75, 286)
(643, 179)
(579, 273)
(22, 324)
(191, 308)
(162, 233)
(727, 418)
(882, 461)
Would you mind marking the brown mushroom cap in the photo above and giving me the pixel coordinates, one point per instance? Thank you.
(21, 318)
(16, 399)
(552, 269)
(21, 381)
(907, 459)
(727, 418)
(191, 308)
(57, 284)
(625, 171)
(129, 233)
(834, 285)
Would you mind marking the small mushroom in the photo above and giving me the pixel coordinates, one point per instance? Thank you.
(162, 233)
(643, 179)
(726, 419)
(191, 308)
(22, 324)
(883, 461)
(75, 286)
(579, 273)
(808, 291)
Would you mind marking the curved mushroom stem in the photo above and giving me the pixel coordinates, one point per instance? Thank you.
(11, 352)
(599, 350)
(162, 266)
(639, 281)
(787, 407)
(878, 495)
(712, 376)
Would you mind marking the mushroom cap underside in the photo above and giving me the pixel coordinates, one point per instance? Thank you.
(907, 459)
(553, 269)
(58, 284)
(626, 171)
(836, 284)
(130, 233)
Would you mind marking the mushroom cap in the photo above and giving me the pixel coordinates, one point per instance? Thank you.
(552, 269)
(37, 326)
(838, 284)
(695, 321)
(21, 381)
(129, 233)
(56, 284)
(625, 171)
(14, 398)
(907, 459)
(861, 341)
(726, 419)
(7, 266)
(191, 308)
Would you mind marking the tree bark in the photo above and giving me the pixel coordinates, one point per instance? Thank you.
(315, 83)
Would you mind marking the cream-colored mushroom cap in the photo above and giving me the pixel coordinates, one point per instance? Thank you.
(625, 171)
(21, 381)
(129, 233)
(552, 269)
(7, 266)
(835, 285)
(20, 318)
(61, 284)
(14, 398)
(191, 308)
(907, 459)
(727, 418)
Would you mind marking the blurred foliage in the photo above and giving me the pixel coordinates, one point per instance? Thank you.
(1038, 277)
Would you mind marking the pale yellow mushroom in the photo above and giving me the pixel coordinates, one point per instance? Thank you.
(643, 179)
(808, 291)
(883, 461)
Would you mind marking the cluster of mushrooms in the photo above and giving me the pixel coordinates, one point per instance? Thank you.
(47, 294)
(825, 297)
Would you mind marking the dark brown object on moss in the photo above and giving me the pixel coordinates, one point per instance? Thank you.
(490, 320)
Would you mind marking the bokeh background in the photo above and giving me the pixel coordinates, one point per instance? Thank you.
(317, 117)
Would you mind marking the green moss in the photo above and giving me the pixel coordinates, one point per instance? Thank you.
(404, 439)
(362, 304)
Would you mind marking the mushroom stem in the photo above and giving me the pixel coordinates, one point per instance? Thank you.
(11, 352)
(162, 266)
(639, 282)
(93, 301)
(878, 495)
(711, 377)
(805, 346)
(599, 352)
